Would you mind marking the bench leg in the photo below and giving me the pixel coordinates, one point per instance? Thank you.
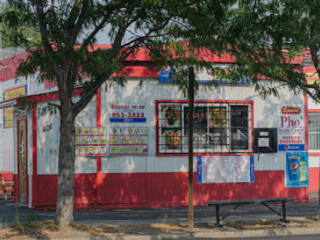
(5, 193)
(284, 213)
(218, 217)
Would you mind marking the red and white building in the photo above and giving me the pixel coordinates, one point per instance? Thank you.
(132, 140)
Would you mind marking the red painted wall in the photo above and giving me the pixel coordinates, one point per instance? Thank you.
(314, 179)
(119, 190)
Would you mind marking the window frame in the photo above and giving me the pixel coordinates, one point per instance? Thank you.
(228, 103)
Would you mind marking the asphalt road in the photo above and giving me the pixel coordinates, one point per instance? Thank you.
(10, 212)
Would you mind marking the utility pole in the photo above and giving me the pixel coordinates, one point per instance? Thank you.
(190, 156)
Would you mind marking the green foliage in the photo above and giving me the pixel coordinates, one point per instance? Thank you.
(18, 29)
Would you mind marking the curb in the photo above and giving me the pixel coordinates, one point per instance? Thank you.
(222, 234)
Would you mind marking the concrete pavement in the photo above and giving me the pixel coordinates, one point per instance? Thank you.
(203, 214)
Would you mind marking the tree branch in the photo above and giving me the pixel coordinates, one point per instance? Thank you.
(48, 51)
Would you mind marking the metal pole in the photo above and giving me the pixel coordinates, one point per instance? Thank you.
(190, 158)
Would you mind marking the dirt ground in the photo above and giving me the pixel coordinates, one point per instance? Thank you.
(48, 230)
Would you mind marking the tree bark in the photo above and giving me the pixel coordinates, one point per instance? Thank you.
(190, 157)
(65, 196)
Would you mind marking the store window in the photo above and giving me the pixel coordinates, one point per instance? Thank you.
(314, 131)
(217, 127)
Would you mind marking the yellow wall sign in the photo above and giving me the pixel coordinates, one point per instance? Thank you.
(312, 78)
(8, 95)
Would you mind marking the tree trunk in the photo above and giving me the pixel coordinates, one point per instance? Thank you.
(190, 159)
(65, 196)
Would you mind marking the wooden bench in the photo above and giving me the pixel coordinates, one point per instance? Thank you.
(6, 186)
(264, 202)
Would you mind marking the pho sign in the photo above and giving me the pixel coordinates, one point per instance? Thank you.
(291, 128)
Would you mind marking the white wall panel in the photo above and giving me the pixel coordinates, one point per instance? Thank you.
(265, 115)
(7, 149)
(30, 144)
(150, 164)
(314, 161)
(312, 104)
(85, 165)
(269, 161)
(48, 141)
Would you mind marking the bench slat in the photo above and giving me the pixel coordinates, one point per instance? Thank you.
(251, 201)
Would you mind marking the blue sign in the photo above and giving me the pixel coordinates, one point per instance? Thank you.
(297, 169)
(199, 169)
(291, 147)
(128, 119)
(165, 74)
(251, 169)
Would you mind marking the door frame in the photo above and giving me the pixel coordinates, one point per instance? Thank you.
(16, 192)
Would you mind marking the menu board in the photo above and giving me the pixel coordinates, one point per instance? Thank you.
(128, 141)
(91, 141)
(128, 112)
(223, 169)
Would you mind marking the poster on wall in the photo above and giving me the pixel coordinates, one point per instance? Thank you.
(91, 141)
(297, 169)
(8, 111)
(128, 141)
(128, 112)
(225, 169)
(291, 128)
(200, 135)
(170, 121)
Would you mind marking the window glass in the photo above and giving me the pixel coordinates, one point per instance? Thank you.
(217, 127)
(239, 128)
(314, 131)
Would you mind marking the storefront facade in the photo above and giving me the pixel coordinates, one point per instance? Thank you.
(132, 145)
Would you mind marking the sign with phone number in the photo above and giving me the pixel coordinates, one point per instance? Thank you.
(128, 112)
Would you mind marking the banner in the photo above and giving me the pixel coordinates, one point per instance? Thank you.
(128, 112)
(291, 128)
(297, 169)
(8, 112)
(128, 141)
(91, 141)
(225, 169)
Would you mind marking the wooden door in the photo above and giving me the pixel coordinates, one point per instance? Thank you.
(22, 160)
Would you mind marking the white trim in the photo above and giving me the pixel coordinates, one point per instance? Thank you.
(8, 104)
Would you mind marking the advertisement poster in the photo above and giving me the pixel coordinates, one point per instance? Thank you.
(217, 127)
(128, 112)
(297, 169)
(128, 141)
(291, 128)
(91, 141)
(170, 123)
(200, 135)
(225, 169)
(8, 112)
(165, 74)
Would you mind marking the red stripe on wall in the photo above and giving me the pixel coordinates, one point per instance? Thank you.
(314, 178)
(119, 190)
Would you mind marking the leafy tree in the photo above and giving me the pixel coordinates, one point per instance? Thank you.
(62, 59)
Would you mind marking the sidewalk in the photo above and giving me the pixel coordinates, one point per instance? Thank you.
(133, 221)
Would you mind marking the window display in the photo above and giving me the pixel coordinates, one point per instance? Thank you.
(217, 127)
